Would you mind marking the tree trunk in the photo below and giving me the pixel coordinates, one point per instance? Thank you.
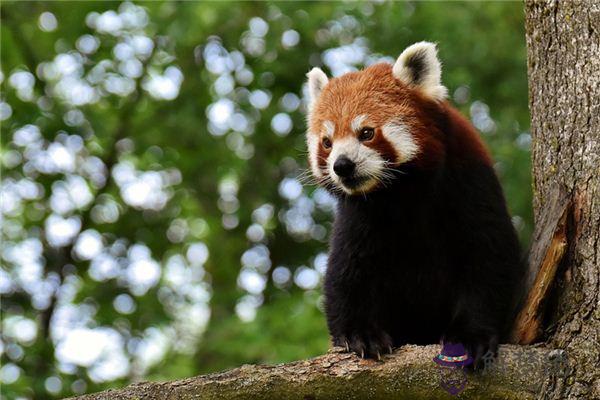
(563, 40)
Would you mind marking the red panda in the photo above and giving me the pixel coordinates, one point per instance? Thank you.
(422, 247)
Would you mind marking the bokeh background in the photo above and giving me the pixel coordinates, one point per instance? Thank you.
(154, 223)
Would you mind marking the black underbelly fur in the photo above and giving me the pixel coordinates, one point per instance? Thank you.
(434, 256)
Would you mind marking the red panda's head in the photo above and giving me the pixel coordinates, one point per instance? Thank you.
(363, 125)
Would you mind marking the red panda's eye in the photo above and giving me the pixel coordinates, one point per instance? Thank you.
(366, 134)
(326, 143)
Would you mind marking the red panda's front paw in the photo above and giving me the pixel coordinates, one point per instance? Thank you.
(372, 345)
(341, 341)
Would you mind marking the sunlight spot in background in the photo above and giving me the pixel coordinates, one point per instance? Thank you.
(263, 214)
(281, 276)
(178, 230)
(306, 278)
(281, 124)
(219, 114)
(320, 263)
(346, 58)
(74, 118)
(298, 218)
(152, 348)
(62, 159)
(76, 347)
(105, 358)
(142, 272)
(106, 211)
(23, 330)
(324, 200)
(47, 22)
(87, 44)
(252, 281)
(118, 85)
(9, 373)
(23, 82)
(290, 188)
(290, 38)
(255, 233)
(256, 263)
(130, 18)
(27, 135)
(480, 116)
(258, 26)
(224, 85)
(131, 68)
(197, 254)
(165, 86)
(142, 45)
(216, 58)
(124, 304)
(107, 22)
(177, 273)
(244, 76)
(104, 267)
(246, 307)
(146, 190)
(61, 231)
(6, 284)
(260, 99)
(290, 102)
(228, 202)
(53, 384)
(70, 195)
(88, 244)
(257, 258)
(5, 111)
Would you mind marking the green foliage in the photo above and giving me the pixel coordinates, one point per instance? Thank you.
(153, 223)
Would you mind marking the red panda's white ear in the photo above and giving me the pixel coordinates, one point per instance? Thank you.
(418, 66)
(316, 82)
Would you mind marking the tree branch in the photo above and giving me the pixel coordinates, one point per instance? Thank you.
(409, 373)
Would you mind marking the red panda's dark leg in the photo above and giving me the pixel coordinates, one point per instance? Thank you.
(352, 309)
(485, 259)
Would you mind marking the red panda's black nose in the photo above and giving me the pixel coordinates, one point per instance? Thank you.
(343, 167)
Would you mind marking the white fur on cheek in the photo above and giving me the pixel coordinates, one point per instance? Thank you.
(401, 140)
(312, 143)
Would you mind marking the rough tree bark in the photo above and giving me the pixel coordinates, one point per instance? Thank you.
(409, 373)
(563, 41)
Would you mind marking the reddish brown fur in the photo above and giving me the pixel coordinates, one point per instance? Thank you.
(437, 127)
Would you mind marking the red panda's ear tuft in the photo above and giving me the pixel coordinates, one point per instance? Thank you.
(316, 82)
(418, 66)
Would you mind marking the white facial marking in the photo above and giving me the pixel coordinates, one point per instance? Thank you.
(401, 140)
(357, 122)
(369, 164)
(329, 128)
(312, 143)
